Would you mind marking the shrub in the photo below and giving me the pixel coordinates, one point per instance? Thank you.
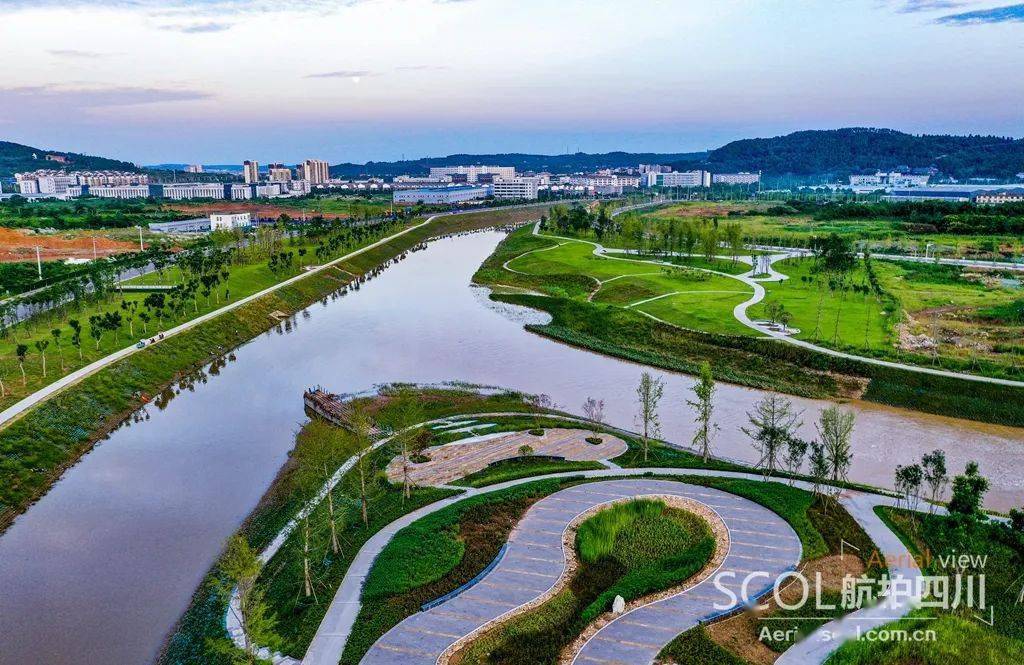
(537, 432)
(594, 440)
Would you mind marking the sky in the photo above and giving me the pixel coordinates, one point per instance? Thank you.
(219, 81)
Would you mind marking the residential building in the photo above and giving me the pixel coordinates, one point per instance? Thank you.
(520, 187)
(194, 168)
(192, 190)
(279, 173)
(678, 179)
(251, 171)
(741, 178)
(110, 191)
(55, 183)
(222, 221)
(411, 182)
(441, 195)
(472, 173)
(882, 179)
(315, 171)
(654, 168)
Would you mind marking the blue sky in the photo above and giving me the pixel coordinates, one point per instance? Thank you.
(224, 80)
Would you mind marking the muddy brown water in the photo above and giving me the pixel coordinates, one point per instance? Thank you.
(102, 566)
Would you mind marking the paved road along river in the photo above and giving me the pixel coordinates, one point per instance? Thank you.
(100, 568)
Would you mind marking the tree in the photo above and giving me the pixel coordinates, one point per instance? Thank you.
(361, 427)
(96, 329)
(41, 345)
(819, 465)
(409, 412)
(773, 423)
(709, 243)
(648, 394)
(55, 333)
(933, 465)
(908, 484)
(968, 490)
(704, 389)
(76, 335)
(796, 451)
(593, 409)
(22, 351)
(734, 236)
(241, 567)
(835, 428)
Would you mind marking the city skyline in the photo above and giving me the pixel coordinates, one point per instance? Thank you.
(220, 81)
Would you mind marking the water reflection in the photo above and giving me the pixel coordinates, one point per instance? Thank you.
(102, 566)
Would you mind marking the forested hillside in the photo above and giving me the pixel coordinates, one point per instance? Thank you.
(15, 157)
(839, 152)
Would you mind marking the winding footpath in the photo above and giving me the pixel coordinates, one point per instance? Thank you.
(536, 561)
(329, 642)
(740, 313)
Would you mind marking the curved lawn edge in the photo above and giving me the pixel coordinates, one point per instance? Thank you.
(329, 642)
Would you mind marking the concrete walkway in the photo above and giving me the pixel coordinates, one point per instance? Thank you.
(740, 313)
(329, 641)
(535, 561)
(41, 395)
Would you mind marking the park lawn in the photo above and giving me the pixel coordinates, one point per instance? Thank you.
(243, 280)
(701, 310)
(849, 320)
(726, 265)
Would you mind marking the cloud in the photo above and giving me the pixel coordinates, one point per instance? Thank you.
(197, 28)
(342, 74)
(915, 6)
(421, 68)
(72, 99)
(74, 53)
(1007, 14)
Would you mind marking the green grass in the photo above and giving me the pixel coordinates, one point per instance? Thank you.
(955, 640)
(191, 640)
(419, 564)
(695, 647)
(631, 550)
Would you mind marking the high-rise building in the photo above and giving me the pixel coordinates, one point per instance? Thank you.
(316, 171)
(194, 168)
(251, 171)
(279, 173)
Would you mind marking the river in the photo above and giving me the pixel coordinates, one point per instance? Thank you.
(100, 568)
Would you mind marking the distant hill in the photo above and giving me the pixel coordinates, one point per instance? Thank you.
(579, 161)
(15, 158)
(839, 152)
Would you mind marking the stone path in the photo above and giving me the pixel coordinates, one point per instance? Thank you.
(760, 540)
(460, 458)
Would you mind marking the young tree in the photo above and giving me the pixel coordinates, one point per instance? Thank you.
(361, 427)
(593, 409)
(908, 484)
(55, 333)
(704, 405)
(796, 451)
(76, 335)
(96, 329)
(968, 491)
(936, 477)
(22, 351)
(41, 345)
(835, 428)
(409, 412)
(241, 567)
(709, 243)
(734, 236)
(648, 394)
(773, 423)
(819, 466)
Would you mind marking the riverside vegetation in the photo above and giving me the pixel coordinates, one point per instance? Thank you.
(561, 289)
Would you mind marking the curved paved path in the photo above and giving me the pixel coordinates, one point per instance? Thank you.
(760, 540)
(740, 312)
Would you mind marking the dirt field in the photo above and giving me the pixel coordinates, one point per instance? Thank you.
(20, 245)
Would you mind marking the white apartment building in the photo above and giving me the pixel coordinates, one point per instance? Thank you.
(604, 180)
(57, 182)
(193, 190)
(520, 187)
(654, 168)
(251, 171)
(741, 178)
(889, 179)
(194, 168)
(110, 191)
(316, 171)
(678, 179)
(227, 221)
(996, 198)
(472, 173)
